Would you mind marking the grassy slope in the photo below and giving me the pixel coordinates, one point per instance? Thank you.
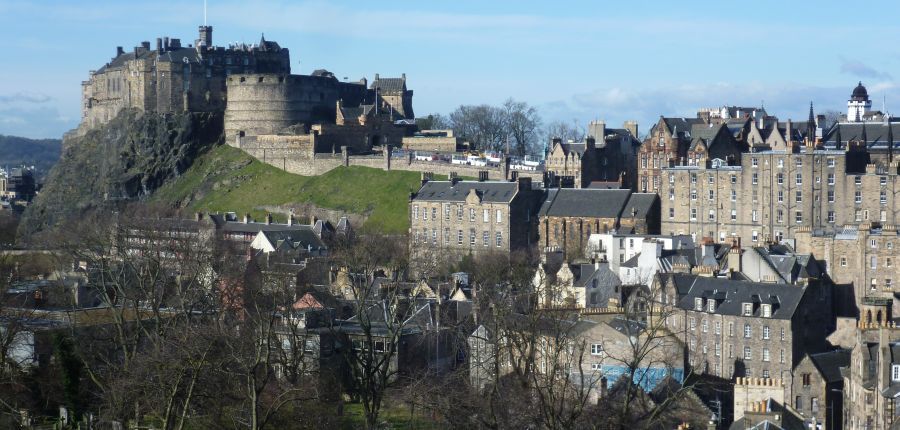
(227, 179)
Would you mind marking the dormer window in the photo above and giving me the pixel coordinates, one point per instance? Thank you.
(895, 372)
(748, 309)
(698, 304)
(767, 311)
(711, 305)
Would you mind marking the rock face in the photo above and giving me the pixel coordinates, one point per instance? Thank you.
(124, 160)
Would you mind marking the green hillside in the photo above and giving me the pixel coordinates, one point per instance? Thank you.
(227, 179)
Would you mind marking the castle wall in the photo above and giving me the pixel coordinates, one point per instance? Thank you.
(260, 104)
(431, 144)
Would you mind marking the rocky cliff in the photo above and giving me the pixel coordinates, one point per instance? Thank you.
(125, 160)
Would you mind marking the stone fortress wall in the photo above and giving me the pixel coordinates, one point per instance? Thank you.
(297, 154)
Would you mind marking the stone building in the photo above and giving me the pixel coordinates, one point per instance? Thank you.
(872, 380)
(666, 143)
(816, 391)
(433, 141)
(568, 217)
(577, 285)
(864, 259)
(174, 78)
(789, 180)
(749, 329)
(452, 219)
(606, 155)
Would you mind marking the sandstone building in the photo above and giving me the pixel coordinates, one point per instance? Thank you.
(568, 217)
(452, 219)
(606, 156)
(171, 77)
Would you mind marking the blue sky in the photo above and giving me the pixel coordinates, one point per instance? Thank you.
(577, 60)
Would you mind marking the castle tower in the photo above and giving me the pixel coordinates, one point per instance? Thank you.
(858, 104)
(205, 40)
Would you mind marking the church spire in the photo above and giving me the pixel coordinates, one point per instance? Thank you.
(811, 125)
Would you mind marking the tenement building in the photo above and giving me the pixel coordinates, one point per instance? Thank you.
(452, 219)
(568, 217)
(607, 156)
(749, 329)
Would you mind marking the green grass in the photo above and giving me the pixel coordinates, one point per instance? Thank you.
(227, 179)
(395, 417)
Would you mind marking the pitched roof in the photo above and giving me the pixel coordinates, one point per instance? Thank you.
(830, 363)
(730, 295)
(639, 205)
(301, 238)
(585, 202)
(446, 191)
(389, 85)
(876, 134)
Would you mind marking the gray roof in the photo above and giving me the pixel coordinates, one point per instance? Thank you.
(877, 134)
(640, 205)
(730, 295)
(830, 363)
(681, 125)
(585, 202)
(446, 191)
(389, 85)
(302, 238)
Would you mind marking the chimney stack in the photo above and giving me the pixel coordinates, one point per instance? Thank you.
(119, 51)
(246, 218)
(159, 45)
(268, 218)
(165, 43)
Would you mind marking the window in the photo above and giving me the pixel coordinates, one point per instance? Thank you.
(472, 215)
(499, 216)
(459, 212)
(671, 212)
(766, 312)
(748, 354)
(798, 179)
(733, 179)
(754, 216)
(596, 349)
(830, 196)
(486, 215)
(731, 329)
(765, 332)
(693, 194)
(748, 331)
(780, 163)
(765, 356)
(798, 217)
(782, 356)
(718, 349)
(710, 179)
(704, 326)
(779, 216)
(798, 403)
(782, 333)
(486, 238)
(712, 214)
(830, 162)
(806, 379)
(471, 237)
(733, 195)
(831, 217)
(843, 261)
(446, 236)
(883, 198)
(499, 239)
(873, 243)
(798, 196)
(734, 214)
(779, 178)
(425, 214)
(780, 196)
(755, 235)
(857, 196)
(698, 303)
(765, 373)
(595, 366)
(712, 195)
(693, 323)
(693, 213)
(730, 351)
(748, 309)
(857, 180)
(831, 179)
(754, 179)
(710, 305)
(754, 162)
(415, 211)
(718, 327)
(459, 237)
(447, 212)
(671, 194)
(895, 372)
(434, 236)
(814, 404)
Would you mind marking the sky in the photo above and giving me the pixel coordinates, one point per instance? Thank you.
(574, 60)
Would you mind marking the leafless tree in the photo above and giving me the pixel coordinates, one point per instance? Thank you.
(522, 124)
(564, 131)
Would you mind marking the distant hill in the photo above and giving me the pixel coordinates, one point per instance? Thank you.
(40, 153)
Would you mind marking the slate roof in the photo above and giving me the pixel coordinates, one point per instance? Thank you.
(389, 85)
(302, 238)
(446, 191)
(586, 202)
(789, 265)
(640, 205)
(730, 295)
(830, 363)
(681, 125)
(586, 272)
(877, 134)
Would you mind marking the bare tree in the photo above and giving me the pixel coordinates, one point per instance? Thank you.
(522, 123)
(564, 131)
(483, 125)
